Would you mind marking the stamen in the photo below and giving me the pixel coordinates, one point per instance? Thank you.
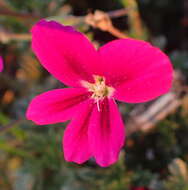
(98, 106)
(99, 89)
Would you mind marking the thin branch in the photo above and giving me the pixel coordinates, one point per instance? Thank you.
(134, 20)
(7, 12)
(118, 13)
(102, 21)
(157, 111)
(5, 37)
(76, 20)
(117, 33)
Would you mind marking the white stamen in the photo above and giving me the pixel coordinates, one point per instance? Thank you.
(99, 90)
(98, 106)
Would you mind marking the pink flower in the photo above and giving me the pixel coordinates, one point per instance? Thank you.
(127, 70)
(1, 64)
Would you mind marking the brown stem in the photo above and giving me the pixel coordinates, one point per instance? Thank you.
(156, 112)
(117, 33)
(102, 21)
(7, 12)
(118, 13)
(5, 37)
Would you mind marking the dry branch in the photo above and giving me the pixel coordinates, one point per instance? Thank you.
(145, 119)
(157, 111)
(102, 21)
(6, 37)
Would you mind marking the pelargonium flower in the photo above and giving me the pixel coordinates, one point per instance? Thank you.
(1, 64)
(127, 70)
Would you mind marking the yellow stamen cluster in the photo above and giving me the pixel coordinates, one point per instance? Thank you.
(99, 89)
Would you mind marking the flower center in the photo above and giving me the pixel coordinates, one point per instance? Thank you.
(99, 89)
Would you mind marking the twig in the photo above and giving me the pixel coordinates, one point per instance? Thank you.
(102, 21)
(134, 19)
(5, 37)
(117, 33)
(7, 12)
(77, 20)
(142, 119)
(155, 112)
(112, 14)
(118, 13)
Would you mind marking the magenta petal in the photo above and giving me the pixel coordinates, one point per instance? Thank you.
(56, 105)
(1, 64)
(64, 52)
(138, 71)
(75, 141)
(106, 133)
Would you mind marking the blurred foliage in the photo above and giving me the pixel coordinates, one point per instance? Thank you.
(31, 157)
